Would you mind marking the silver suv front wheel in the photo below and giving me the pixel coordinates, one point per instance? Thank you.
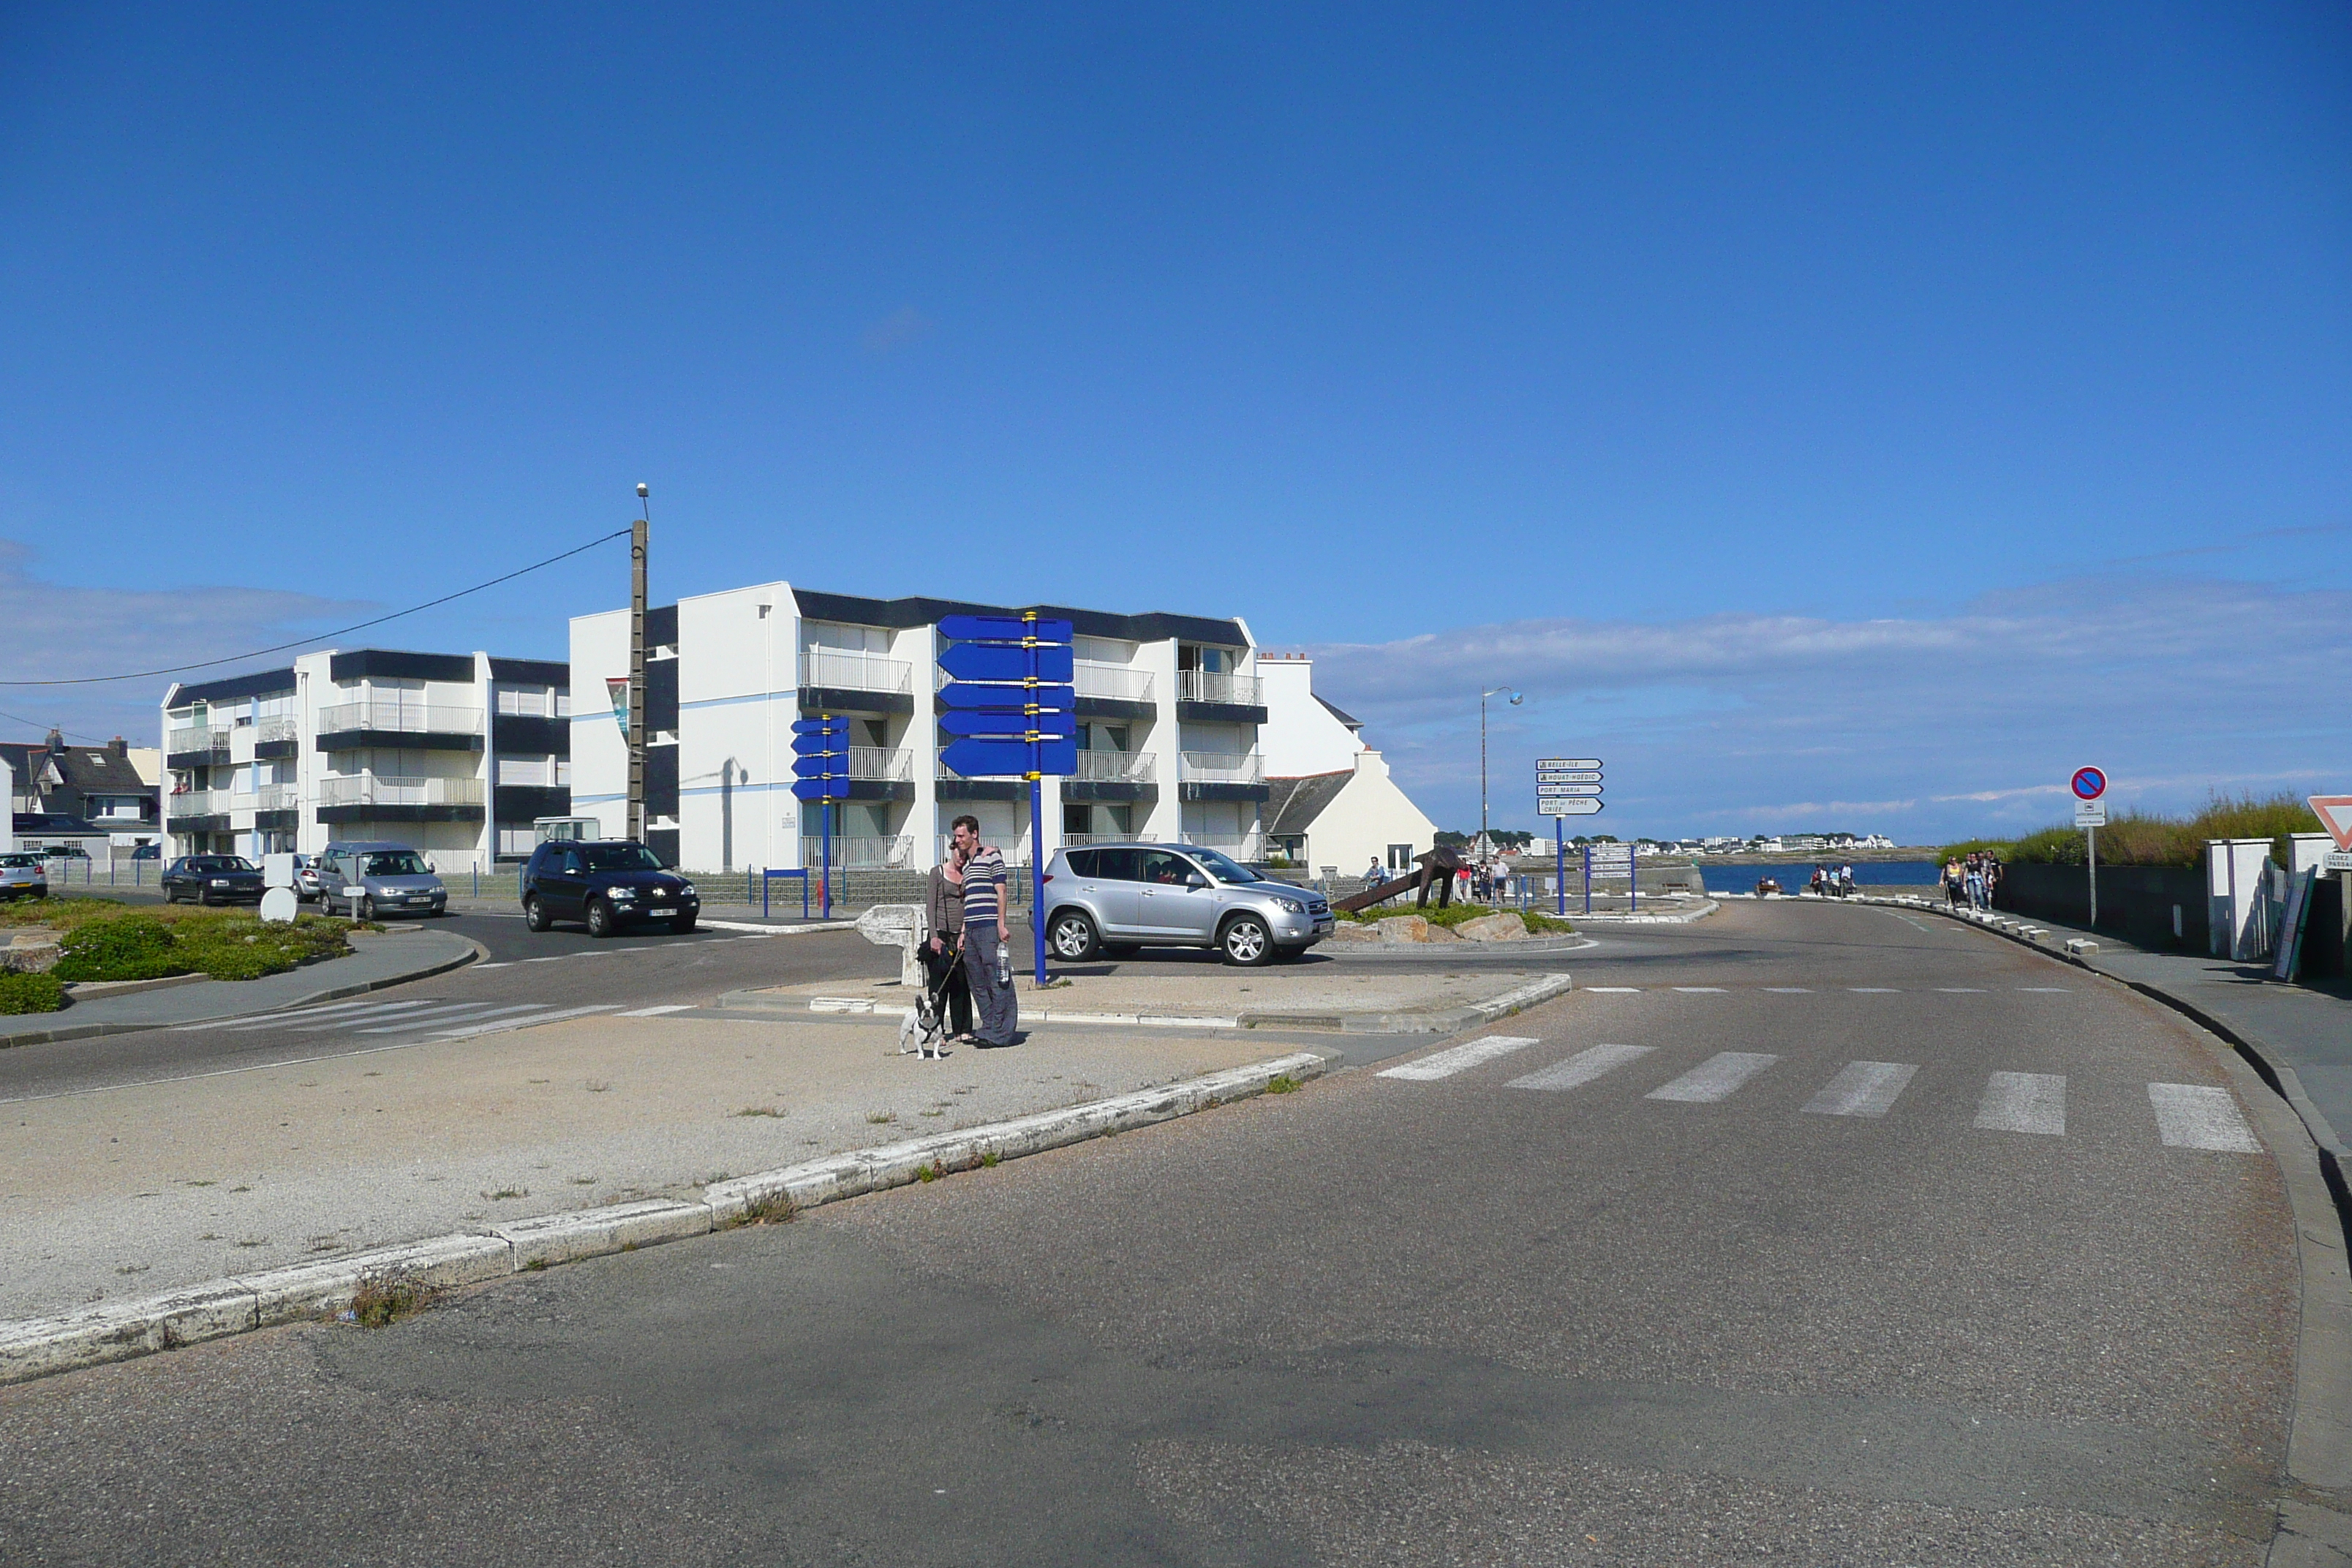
(1246, 941)
(1073, 936)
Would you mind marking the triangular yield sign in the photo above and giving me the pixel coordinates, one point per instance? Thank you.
(2335, 812)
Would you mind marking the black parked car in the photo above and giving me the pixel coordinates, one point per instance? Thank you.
(212, 880)
(607, 883)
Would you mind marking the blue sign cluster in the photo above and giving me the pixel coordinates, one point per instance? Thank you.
(821, 759)
(1009, 698)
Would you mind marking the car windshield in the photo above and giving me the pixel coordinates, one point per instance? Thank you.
(620, 858)
(395, 863)
(221, 863)
(1223, 870)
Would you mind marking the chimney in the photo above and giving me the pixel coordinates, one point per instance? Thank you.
(57, 743)
(120, 749)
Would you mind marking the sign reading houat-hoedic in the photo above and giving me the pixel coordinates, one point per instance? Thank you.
(2334, 813)
(1012, 705)
(1567, 786)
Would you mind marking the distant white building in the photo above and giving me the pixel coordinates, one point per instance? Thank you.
(1332, 802)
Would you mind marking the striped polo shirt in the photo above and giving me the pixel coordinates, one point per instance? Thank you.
(983, 889)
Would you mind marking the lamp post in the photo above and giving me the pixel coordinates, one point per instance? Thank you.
(1516, 698)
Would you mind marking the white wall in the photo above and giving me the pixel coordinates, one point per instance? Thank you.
(599, 751)
(737, 694)
(1367, 817)
(7, 804)
(1300, 736)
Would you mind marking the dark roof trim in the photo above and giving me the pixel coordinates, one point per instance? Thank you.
(537, 672)
(261, 683)
(1292, 804)
(901, 613)
(661, 627)
(393, 664)
(1344, 717)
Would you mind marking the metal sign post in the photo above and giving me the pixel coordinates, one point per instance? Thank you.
(821, 773)
(1010, 696)
(2090, 784)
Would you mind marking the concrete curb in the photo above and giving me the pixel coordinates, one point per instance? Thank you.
(41, 1346)
(1454, 952)
(62, 1032)
(1679, 918)
(2319, 1444)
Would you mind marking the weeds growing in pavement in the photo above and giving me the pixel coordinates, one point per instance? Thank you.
(382, 1300)
(879, 1117)
(930, 1172)
(1281, 1083)
(991, 1159)
(762, 1110)
(504, 1193)
(535, 1265)
(776, 1208)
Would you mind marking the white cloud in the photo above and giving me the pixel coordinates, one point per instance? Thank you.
(1921, 726)
(50, 631)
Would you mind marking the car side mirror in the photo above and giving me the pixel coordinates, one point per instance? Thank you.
(1195, 880)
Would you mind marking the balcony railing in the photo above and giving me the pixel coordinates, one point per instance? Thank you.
(1248, 848)
(1015, 853)
(1113, 681)
(1223, 767)
(199, 803)
(1115, 767)
(855, 672)
(1206, 685)
(864, 852)
(404, 718)
(182, 738)
(880, 763)
(278, 726)
(268, 797)
(1075, 840)
(387, 789)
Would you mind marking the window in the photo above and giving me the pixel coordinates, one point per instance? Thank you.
(1399, 857)
(1082, 861)
(1120, 865)
(526, 770)
(527, 701)
(1160, 865)
(514, 840)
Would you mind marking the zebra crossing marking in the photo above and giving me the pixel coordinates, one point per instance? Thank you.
(2193, 1116)
(658, 1012)
(433, 1017)
(1788, 990)
(1873, 990)
(1718, 1077)
(2047, 990)
(1962, 990)
(2024, 1102)
(1458, 1058)
(504, 1025)
(1862, 1088)
(1616, 990)
(1583, 1067)
(267, 1020)
(1700, 990)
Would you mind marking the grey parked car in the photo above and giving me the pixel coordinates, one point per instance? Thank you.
(372, 878)
(1123, 896)
(23, 877)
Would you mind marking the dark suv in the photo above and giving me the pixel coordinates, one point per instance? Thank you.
(607, 883)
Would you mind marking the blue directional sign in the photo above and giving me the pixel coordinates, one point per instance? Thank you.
(1008, 661)
(973, 698)
(1009, 726)
(820, 745)
(820, 726)
(822, 767)
(834, 788)
(1003, 628)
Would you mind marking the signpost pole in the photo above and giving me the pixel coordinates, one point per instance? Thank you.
(2092, 835)
(1588, 878)
(825, 887)
(1036, 804)
(1560, 861)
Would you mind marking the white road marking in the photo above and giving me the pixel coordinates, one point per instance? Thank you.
(1788, 990)
(500, 964)
(312, 1023)
(1582, 1069)
(2047, 990)
(500, 1025)
(1458, 1058)
(267, 1020)
(658, 1012)
(1906, 920)
(2024, 1102)
(2191, 1116)
(1617, 990)
(1714, 1079)
(1700, 990)
(1962, 990)
(439, 1016)
(1862, 1088)
(1873, 990)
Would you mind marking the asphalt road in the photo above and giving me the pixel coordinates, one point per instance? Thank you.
(1785, 1313)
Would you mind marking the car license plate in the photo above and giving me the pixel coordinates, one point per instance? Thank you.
(659, 909)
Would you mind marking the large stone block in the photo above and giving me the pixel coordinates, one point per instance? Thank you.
(1498, 927)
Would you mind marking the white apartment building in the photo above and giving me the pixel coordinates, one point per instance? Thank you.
(453, 753)
(1332, 803)
(1169, 707)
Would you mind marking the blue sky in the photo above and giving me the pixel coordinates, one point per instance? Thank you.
(1833, 415)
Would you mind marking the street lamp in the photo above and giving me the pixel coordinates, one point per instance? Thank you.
(1516, 698)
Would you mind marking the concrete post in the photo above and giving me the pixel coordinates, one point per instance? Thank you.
(903, 926)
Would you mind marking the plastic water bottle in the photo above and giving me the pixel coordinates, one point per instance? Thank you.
(1003, 965)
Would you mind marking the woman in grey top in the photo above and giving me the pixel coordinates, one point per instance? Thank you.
(943, 901)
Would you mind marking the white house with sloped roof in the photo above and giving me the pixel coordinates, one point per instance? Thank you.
(1331, 801)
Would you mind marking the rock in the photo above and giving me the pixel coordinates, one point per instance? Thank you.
(30, 955)
(1499, 927)
(1402, 928)
(1441, 934)
(1351, 930)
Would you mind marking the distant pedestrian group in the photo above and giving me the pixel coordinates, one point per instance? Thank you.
(1973, 879)
(1831, 882)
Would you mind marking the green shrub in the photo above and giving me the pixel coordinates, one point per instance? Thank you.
(30, 992)
(132, 947)
(2146, 838)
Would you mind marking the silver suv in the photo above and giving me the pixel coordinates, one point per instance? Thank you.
(1125, 896)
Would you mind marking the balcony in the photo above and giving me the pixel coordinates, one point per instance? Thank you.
(413, 726)
(874, 852)
(1016, 858)
(1215, 697)
(881, 773)
(196, 745)
(836, 681)
(268, 797)
(1113, 691)
(1113, 776)
(190, 803)
(1223, 776)
(279, 735)
(393, 798)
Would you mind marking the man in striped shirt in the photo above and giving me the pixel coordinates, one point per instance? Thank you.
(985, 917)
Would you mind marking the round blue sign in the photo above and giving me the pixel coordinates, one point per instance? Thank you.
(2089, 783)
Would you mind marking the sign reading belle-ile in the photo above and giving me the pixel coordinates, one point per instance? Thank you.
(1567, 786)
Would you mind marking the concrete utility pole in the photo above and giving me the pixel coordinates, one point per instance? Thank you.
(637, 538)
